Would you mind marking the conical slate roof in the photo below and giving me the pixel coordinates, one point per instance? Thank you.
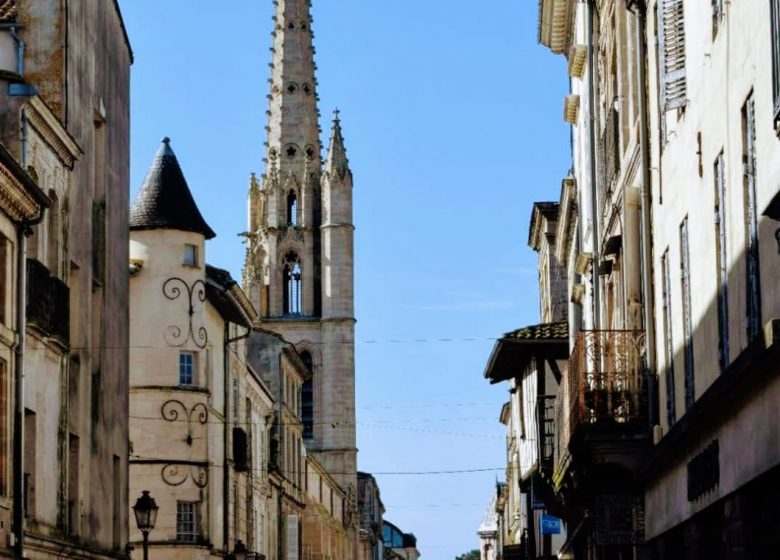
(165, 201)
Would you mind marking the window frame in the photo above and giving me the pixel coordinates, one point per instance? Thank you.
(774, 23)
(190, 533)
(685, 285)
(753, 319)
(192, 366)
(721, 253)
(192, 262)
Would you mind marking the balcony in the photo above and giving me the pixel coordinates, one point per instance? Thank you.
(48, 303)
(602, 391)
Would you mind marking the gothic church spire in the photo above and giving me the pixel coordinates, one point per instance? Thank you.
(293, 123)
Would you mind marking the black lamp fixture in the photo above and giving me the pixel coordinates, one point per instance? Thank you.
(240, 552)
(145, 510)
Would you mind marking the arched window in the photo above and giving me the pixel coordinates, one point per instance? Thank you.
(292, 284)
(292, 209)
(307, 397)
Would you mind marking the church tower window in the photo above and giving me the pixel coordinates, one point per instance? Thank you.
(292, 209)
(292, 284)
(307, 397)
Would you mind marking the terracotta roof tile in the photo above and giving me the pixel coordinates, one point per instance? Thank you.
(543, 331)
(8, 11)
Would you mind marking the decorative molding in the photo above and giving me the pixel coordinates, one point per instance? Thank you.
(173, 288)
(14, 198)
(576, 57)
(571, 108)
(52, 131)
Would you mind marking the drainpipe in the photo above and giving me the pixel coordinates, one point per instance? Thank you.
(593, 175)
(19, 49)
(23, 230)
(638, 9)
(226, 432)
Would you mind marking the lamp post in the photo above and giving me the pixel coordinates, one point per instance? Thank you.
(240, 552)
(145, 510)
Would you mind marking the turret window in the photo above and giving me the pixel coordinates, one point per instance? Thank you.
(190, 255)
(292, 209)
(292, 284)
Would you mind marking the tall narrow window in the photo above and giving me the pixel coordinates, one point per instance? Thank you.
(685, 269)
(307, 398)
(73, 485)
(292, 284)
(775, 23)
(671, 407)
(117, 480)
(30, 445)
(53, 234)
(753, 270)
(187, 522)
(292, 209)
(722, 262)
(4, 284)
(671, 39)
(5, 404)
(292, 548)
(186, 368)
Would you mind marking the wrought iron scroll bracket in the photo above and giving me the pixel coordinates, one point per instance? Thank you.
(175, 335)
(170, 412)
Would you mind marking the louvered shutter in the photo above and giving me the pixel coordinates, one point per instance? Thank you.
(292, 537)
(671, 44)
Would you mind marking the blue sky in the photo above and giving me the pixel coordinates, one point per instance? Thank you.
(452, 116)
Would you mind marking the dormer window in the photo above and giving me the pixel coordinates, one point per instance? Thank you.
(190, 255)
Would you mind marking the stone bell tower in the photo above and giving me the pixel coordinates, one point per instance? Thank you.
(299, 263)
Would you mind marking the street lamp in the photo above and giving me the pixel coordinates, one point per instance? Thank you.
(240, 552)
(145, 510)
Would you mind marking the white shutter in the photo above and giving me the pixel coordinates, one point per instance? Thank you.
(671, 44)
(292, 537)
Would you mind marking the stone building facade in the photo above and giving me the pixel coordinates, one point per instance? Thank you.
(198, 413)
(371, 510)
(64, 112)
(666, 231)
(280, 366)
(714, 106)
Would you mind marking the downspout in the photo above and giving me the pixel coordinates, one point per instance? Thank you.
(19, 49)
(646, 239)
(593, 175)
(226, 432)
(23, 230)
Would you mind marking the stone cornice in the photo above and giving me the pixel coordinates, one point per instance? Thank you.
(15, 199)
(52, 131)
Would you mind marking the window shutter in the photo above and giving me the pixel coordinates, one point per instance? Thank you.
(671, 44)
(775, 23)
(292, 537)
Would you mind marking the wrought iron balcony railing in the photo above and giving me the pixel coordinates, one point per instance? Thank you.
(604, 385)
(48, 302)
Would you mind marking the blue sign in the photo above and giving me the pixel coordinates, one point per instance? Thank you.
(551, 525)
